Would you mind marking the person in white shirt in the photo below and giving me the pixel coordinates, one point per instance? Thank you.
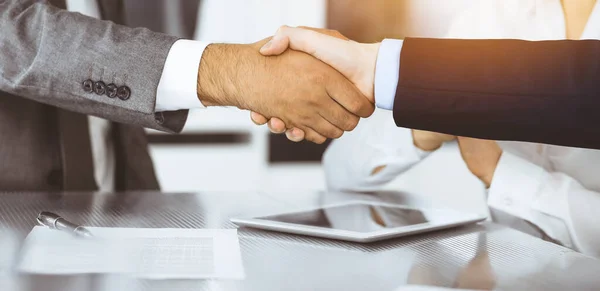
(555, 190)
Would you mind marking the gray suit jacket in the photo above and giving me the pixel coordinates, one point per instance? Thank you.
(46, 57)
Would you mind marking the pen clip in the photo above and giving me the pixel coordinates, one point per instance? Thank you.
(47, 219)
(39, 221)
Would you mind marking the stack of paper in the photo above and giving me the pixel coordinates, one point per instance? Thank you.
(143, 253)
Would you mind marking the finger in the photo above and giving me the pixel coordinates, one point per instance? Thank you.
(295, 134)
(337, 115)
(313, 136)
(348, 96)
(276, 125)
(326, 128)
(257, 118)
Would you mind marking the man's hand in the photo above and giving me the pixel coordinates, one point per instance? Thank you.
(481, 157)
(430, 141)
(355, 61)
(295, 87)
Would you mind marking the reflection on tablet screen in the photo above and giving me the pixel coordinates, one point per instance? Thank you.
(354, 217)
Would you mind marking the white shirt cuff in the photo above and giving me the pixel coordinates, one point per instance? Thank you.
(397, 160)
(515, 186)
(387, 73)
(177, 88)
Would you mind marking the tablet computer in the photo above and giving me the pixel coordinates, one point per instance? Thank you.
(361, 221)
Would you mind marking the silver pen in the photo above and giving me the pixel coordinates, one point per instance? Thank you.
(54, 221)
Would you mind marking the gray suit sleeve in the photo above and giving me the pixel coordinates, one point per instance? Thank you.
(47, 54)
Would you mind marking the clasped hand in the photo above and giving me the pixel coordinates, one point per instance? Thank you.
(355, 61)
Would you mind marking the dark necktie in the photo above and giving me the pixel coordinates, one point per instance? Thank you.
(76, 147)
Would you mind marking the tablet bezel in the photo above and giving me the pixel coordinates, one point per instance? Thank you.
(451, 218)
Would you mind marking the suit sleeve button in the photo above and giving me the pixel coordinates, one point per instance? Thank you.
(111, 90)
(100, 88)
(88, 86)
(123, 93)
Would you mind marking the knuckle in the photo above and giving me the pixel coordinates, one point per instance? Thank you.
(282, 29)
(337, 134)
(370, 111)
(362, 108)
(352, 123)
(355, 105)
(313, 103)
(308, 118)
(328, 132)
(334, 132)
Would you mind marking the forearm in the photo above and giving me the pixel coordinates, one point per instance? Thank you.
(512, 89)
(49, 53)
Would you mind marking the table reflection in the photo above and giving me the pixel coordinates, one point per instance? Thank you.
(483, 257)
(477, 273)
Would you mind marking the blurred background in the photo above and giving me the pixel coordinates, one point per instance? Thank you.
(221, 149)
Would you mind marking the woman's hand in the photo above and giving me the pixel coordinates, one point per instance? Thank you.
(430, 141)
(481, 157)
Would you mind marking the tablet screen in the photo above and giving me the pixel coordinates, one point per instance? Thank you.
(360, 217)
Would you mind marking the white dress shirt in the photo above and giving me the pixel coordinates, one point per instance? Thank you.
(555, 188)
(176, 91)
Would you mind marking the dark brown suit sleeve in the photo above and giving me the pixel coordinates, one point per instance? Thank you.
(545, 91)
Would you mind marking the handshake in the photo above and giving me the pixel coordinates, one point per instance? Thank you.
(310, 83)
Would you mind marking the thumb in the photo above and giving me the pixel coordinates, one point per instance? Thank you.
(336, 52)
(278, 44)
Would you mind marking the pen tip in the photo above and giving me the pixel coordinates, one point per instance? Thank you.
(83, 232)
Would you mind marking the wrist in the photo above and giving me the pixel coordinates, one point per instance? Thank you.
(218, 73)
(369, 54)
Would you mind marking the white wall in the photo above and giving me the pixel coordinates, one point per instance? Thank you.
(247, 21)
(431, 18)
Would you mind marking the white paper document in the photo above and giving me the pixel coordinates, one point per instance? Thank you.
(145, 253)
